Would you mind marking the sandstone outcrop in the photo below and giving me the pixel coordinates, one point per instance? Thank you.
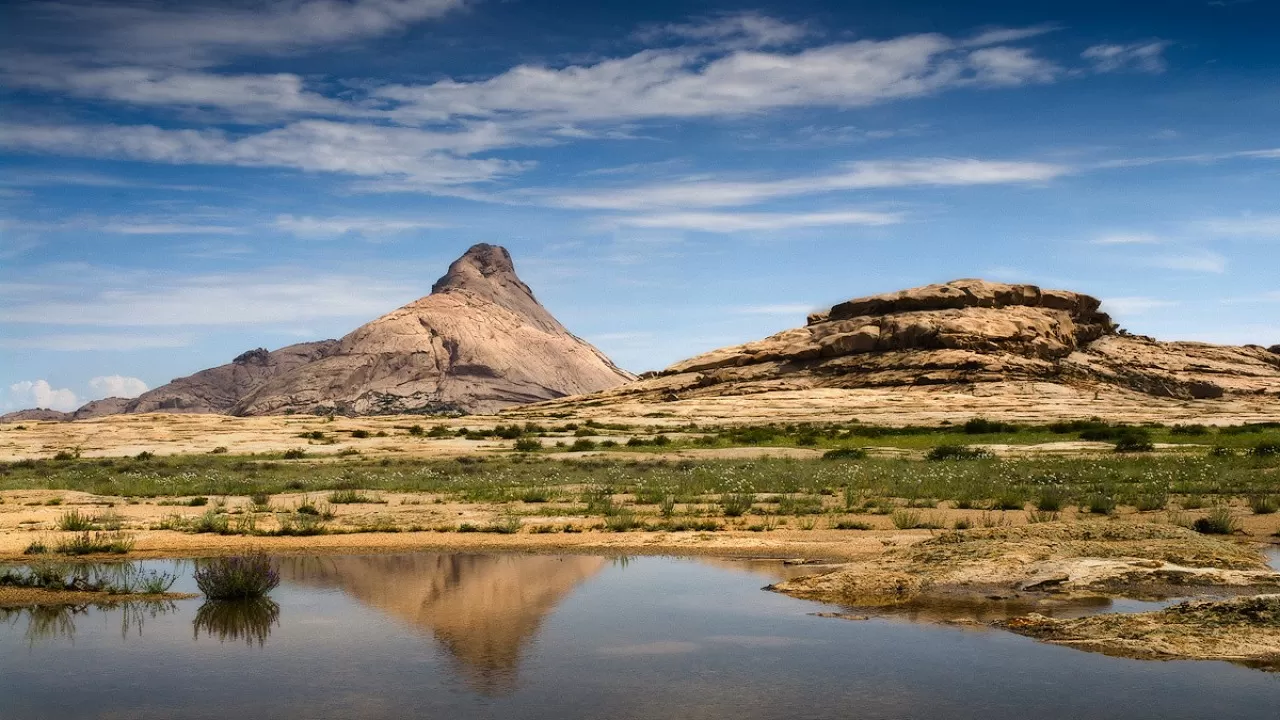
(963, 333)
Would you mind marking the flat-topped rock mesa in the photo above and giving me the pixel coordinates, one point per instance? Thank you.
(963, 333)
(480, 342)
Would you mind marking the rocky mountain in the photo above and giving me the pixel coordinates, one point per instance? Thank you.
(220, 389)
(34, 415)
(963, 334)
(480, 342)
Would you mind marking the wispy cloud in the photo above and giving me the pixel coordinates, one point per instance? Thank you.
(685, 82)
(788, 309)
(1260, 226)
(1126, 239)
(731, 30)
(1145, 57)
(160, 299)
(739, 222)
(700, 193)
(203, 32)
(422, 156)
(1135, 305)
(1205, 261)
(78, 342)
(307, 226)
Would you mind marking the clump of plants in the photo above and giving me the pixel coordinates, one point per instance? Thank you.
(1219, 521)
(847, 453)
(238, 577)
(1131, 440)
(957, 452)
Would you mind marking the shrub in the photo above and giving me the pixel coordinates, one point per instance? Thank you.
(351, 497)
(1101, 504)
(1265, 449)
(799, 505)
(1219, 521)
(956, 452)
(1050, 500)
(1134, 440)
(1041, 516)
(736, 504)
(220, 450)
(198, 501)
(417, 431)
(295, 454)
(144, 456)
(582, 445)
(905, 519)
(1008, 500)
(848, 453)
(528, 445)
(360, 434)
(260, 499)
(982, 426)
(1262, 504)
(1221, 451)
(75, 521)
(86, 543)
(852, 525)
(1150, 503)
(622, 521)
(1189, 430)
(660, 440)
(239, 577)
(211, 521)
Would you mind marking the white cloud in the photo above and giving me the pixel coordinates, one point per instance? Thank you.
(116, 386)
(422, 156)
(1000, 36)
(789, 309)
(249, 96)
(734, 30)
(854, 176)
(1197, 261)
(688, 83)
(40, 394)
(74, 342)
(1263, 226)
(737, 222)
(1141, 57)
(1134, 305)
(269, 296)
(1127, 239)
(314, 227)
(152, 228)
(203, 32)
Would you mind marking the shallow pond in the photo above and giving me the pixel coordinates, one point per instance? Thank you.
(530, 636)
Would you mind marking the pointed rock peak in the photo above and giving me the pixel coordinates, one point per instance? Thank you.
(486, 271)
(482, 265)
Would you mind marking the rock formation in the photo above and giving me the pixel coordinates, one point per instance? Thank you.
(220, 389)
(962, 333)
(34, 415)
(478, 343)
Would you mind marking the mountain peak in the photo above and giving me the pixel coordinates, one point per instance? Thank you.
(481, 265)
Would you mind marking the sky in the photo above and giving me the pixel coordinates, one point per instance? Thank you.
(183, 181)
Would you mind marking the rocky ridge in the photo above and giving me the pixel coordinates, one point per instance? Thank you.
(964, 333)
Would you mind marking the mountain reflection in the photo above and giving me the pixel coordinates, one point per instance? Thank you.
(231, 620)
(484, 609)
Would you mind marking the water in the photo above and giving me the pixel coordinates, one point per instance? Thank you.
(526, 636)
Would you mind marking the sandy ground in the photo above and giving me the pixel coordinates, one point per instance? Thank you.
(170, 434)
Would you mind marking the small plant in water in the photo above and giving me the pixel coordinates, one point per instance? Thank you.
(239, 577)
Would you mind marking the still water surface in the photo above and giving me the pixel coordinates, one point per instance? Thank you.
(524, 636)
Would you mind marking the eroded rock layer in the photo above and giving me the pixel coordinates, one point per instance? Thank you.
(963, 333)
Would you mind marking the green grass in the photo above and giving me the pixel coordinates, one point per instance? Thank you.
(95, 543)
(1051, 483)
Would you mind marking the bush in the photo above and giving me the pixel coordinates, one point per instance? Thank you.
(582, 445)
(1189, 430)
(417, 431)
(1050, 500)
(1265, 449)
(1102, 504)
(239, 577)
(86, 543)
(848, 453)
(1262, 504)
(75, 521)
(360, 434)
(1134, 440)
(982, 426)
(956, 452)
(736, 504)
(528, 445)
(295, 454)
(1219, 521)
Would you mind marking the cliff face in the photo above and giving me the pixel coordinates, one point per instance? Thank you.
(480, 342)
(963, 333)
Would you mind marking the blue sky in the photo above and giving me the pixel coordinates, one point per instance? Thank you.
(185, 181)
